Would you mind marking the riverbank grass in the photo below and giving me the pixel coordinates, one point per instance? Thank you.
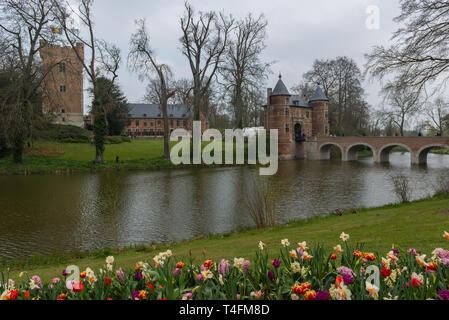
(57, 157)
(417, 225)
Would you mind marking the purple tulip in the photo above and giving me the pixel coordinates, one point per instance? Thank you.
(135, 295)
(138, 276)
(276, 263)
(65, 273)
(270, 275)
(323, 295)
(348, 279)
(444, 294)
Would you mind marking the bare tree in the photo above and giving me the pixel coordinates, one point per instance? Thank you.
(183, 92)
(401, 187)
(104, 59)
(341, 80)
(418, 54)
(141, 59)
(205, 37)
(182, 88)
(23, 26)
(404, 103)
(262, 201)
(436, 112)
(243, 70)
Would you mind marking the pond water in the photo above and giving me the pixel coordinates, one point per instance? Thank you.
(55, 213)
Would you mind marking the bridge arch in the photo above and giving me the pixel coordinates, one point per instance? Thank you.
(351, 151)
(384, 151)
(421, 155)
(325, 150)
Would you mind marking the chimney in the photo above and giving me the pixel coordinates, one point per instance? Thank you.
(269, 92)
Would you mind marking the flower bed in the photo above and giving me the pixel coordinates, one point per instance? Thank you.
(297, 273)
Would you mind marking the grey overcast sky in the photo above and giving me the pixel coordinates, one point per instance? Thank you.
(298, 32)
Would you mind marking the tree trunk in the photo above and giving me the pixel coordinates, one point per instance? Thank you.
(166, 127)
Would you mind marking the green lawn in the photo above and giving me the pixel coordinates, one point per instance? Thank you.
(77, 157)
(419, 224)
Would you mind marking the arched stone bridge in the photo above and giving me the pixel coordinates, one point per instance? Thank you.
(319, 148)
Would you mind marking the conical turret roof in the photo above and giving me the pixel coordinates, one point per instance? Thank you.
(280, 89)
(319, 95)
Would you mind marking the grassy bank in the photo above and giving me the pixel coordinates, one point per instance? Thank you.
(57, 157)
(419, 224)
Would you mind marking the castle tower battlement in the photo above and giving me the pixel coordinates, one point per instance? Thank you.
(63, 85)
(297, 121)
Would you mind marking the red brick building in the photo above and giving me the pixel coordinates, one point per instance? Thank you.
(296, 120)
(147, 119)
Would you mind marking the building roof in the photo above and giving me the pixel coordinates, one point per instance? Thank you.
(319, 95)
(298, 101)
(280, 89)
(154, 111)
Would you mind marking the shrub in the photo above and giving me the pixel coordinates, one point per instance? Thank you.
(261, 201)
(116, 139)
(63, 133)
(442, 185)
(73, 140)
(402, 187)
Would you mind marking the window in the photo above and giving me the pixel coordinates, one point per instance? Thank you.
(62, 67)
(326, 129)
(287, 127)
(159, 122)
(62, 88)
(326, 115)
(62, 110)
(171, 123)
(287, 112)
(137, 123)
(184, 123)
(151, 123)
(144, 123)
(177, 123)
(287, 101)
(307, 114)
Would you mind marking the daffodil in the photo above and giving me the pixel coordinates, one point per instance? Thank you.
(110, 260)
(285, 242)
(293, 254)
(338, 249)
(303, 246)
(372, 289)
(261, 245)
(238, 262)
(344, 236)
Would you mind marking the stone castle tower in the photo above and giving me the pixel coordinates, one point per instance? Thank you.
(63, 86)
(297, 121)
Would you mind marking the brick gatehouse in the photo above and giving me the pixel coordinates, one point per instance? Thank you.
(304, 131)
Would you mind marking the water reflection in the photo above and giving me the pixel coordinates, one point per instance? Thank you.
(55, 213)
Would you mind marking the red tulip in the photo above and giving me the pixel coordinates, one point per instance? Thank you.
(386, 272)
